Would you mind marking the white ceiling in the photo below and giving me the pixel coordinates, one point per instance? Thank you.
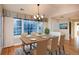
(45, 9)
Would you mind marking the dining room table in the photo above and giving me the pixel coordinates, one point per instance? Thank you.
(32, 40)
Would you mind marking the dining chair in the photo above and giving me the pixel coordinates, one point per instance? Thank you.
(34, 34)
(53, 45)
(61, 43)
(24, 34)
(41, 48)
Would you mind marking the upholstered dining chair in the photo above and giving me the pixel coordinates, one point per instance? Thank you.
(61, 43)
(24, 34)
(41, 48)
(34, 34)
(53, 45)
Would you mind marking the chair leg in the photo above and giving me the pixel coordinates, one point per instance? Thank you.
(50, 53)
(25, 51)
(59, 50)
(56, 52)
(63, 49)
(29, 52)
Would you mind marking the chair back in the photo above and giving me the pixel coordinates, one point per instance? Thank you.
(54, 43)
(24, 34)
(62, 39)
(41, 47)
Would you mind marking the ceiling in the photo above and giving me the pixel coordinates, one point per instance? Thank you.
(49, 10)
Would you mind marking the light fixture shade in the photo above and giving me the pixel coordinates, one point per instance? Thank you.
(34, 17)
(42, 16)
(38, 16)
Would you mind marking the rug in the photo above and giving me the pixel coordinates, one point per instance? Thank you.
(19, 51)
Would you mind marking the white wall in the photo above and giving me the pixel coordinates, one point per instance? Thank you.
(1, 30)
(1, 37)
(9, 38)
(53, 25)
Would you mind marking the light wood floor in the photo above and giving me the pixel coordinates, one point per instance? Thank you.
(10, 50)
(69, 49)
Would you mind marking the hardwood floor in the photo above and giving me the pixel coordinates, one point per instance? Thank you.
(10, 50)
(69, 48)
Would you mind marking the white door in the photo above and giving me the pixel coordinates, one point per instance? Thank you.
(1, 34)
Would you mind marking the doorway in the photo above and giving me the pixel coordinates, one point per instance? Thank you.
(76, 31)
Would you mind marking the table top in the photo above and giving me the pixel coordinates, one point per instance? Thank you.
(33, 39)
(30, 40)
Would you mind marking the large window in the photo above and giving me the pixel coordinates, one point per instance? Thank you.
(28, 26)
(17, 26)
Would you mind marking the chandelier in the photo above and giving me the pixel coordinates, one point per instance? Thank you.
(38, 16)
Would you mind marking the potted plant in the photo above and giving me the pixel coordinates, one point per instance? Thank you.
(47, 31)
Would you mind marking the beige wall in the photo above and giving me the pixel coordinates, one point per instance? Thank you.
(8, 31)
(9, 38)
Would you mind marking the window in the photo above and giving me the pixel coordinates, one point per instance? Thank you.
(27, 26)
(17, 27)
(40, 27)
(30, 26)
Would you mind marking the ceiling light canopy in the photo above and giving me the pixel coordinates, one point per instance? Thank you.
(38, 16)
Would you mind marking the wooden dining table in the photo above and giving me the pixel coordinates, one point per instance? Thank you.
(30, 40)
(34, 39)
